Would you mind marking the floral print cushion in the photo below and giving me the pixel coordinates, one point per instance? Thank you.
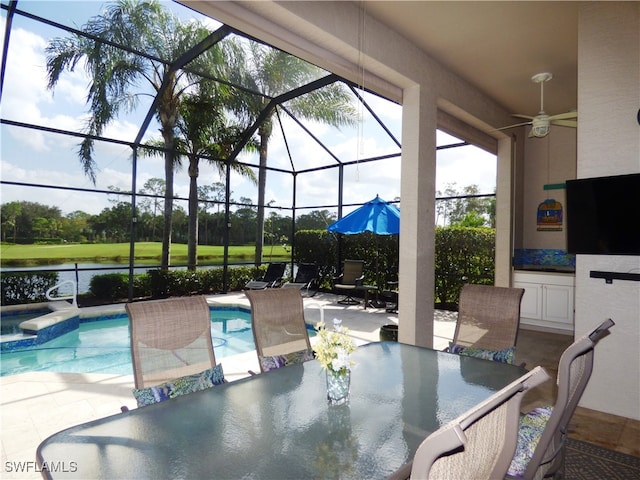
(530, 430)
(179, 386)
(506, 355)
(276, 361)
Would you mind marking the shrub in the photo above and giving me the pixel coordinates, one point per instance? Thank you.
(315, 246)
(163, 283)
(110, 286)
(463, 255)
(18, 288)
(239, 276)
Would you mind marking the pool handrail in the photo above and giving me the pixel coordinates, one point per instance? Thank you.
(72, 297)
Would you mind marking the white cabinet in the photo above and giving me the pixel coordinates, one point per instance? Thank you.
(547, 300)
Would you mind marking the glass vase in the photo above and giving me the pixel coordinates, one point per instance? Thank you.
(338, 387)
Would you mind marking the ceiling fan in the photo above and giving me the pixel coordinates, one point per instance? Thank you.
(541, 123)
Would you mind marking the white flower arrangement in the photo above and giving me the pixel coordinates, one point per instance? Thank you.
(333, 348)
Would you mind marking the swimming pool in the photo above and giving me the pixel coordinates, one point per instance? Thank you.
(10, 322)
(101, 345)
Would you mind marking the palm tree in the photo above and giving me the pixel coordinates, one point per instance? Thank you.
(203, 130)
(133, 43)
(273, 72)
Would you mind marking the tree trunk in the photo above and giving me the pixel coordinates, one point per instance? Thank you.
(262, 182)
(168, 202)
(192, 244)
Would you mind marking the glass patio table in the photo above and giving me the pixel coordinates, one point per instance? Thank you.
(278, 425)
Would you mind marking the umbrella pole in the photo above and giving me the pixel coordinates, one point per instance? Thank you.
(376, 303)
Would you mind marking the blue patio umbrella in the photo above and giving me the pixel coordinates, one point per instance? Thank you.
(376, 216)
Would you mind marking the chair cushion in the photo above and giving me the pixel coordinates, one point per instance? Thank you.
(529, 432)
(180, 386)
(276, 361)
(506, 355)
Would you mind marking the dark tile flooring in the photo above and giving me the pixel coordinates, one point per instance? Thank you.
(610, 431)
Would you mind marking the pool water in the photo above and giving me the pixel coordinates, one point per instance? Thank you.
(10, 322)
(102, 346)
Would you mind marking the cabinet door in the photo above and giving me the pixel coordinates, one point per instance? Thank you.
(531, 304)
(558, 303)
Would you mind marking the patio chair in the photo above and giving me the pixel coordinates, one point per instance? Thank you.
(351, 277)
(390, 297)
(479, 444)
(279, 329)
(488, 322)
(543, 431)
(306, 279)
(271, 279)
(171, 348)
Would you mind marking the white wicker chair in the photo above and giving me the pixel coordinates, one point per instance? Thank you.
(488, 317)
(279, 329)
(170, 339)
(574, 371)
(480, 443)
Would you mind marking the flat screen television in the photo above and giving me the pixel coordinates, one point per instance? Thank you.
(603, 215)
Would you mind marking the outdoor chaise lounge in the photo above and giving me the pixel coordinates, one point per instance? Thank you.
(272, 278)
(306, 279)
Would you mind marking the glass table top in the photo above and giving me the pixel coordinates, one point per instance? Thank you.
(278, 424)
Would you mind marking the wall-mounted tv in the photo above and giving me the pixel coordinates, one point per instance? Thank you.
(603, 215)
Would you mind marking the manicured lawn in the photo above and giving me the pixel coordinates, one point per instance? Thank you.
(119, 252)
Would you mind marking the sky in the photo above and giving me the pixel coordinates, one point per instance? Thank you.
(46, 158)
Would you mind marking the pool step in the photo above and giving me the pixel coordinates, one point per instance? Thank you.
(49, 320)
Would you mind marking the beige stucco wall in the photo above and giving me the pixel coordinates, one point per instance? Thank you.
(609, 144)
(547, 161)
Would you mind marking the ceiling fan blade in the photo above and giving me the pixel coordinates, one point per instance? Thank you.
(564, 116)
(565, 123)
(519, 115)
(511, 126)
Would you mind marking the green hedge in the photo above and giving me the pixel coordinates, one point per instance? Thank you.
(19, 288)
(380, 253)
(160, 283)
(463, 255)
(115, 286)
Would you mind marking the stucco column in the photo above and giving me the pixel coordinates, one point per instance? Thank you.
(505, 202)
(417, 220)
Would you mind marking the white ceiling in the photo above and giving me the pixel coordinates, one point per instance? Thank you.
(497, 46)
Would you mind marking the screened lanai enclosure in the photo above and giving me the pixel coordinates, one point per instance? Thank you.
(140, 122)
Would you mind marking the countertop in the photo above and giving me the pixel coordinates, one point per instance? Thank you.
(546, 268)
